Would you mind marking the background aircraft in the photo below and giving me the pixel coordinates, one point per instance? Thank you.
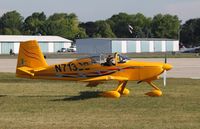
(184, 49)
(95, 69)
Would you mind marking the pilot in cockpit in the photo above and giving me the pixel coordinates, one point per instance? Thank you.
(109, 61)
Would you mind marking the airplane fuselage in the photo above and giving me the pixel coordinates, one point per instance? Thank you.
(85, 69)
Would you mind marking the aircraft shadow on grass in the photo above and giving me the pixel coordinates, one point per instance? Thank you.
(3, 95)
(84, 95)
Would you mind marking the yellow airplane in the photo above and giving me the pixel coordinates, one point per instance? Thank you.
(95, 69)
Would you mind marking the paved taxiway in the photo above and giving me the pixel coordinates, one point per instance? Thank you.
(182, 67)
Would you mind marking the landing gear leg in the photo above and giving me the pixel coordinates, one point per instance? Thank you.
(156, 92)
(121, 90)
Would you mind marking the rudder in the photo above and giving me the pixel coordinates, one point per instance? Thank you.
(30, 57)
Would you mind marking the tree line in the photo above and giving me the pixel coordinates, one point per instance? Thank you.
(120, 25)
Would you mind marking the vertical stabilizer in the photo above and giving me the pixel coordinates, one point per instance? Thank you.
(30, 55)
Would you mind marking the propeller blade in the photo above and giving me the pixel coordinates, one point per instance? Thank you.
(165, 72)
(165, 77)
(165, 58)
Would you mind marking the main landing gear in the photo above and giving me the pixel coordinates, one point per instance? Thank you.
(121, 90)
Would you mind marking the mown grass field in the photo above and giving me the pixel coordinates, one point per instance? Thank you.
(41, 104)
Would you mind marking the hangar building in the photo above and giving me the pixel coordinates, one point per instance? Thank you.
(126, 45)
(48, 44)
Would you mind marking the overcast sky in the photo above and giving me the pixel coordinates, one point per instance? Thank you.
(92, 10)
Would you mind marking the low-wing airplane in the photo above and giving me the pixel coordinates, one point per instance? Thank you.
(190, 50)
(32, 64)
(184, 49)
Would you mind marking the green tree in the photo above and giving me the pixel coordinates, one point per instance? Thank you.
(120, 25)
(190, 33)
(141, 26)
(165, 26)
(33, 25)
(65, 25)
(90, 28)
(11, 23)
(103, 30)
(98, 29)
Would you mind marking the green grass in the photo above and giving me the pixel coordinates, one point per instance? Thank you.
(41, 104)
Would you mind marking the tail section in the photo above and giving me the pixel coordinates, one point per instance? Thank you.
(30, 58)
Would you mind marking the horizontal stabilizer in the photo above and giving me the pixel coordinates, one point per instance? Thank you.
(25, 71)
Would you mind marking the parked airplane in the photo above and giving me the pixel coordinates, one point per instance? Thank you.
(184, 49)
(94, 70)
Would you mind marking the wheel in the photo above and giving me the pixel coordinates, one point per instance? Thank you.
(154, 93)
(111, 94)
(125, 92)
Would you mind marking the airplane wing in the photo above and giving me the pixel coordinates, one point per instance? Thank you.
(93, 82)
(105, 78)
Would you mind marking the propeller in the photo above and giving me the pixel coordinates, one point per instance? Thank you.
(164, 77)
(165, 72)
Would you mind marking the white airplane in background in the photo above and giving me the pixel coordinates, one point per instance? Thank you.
(183, 49)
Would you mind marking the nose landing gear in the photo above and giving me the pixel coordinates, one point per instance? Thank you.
(156, 92)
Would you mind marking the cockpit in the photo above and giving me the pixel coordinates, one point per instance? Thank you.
(106, 59)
